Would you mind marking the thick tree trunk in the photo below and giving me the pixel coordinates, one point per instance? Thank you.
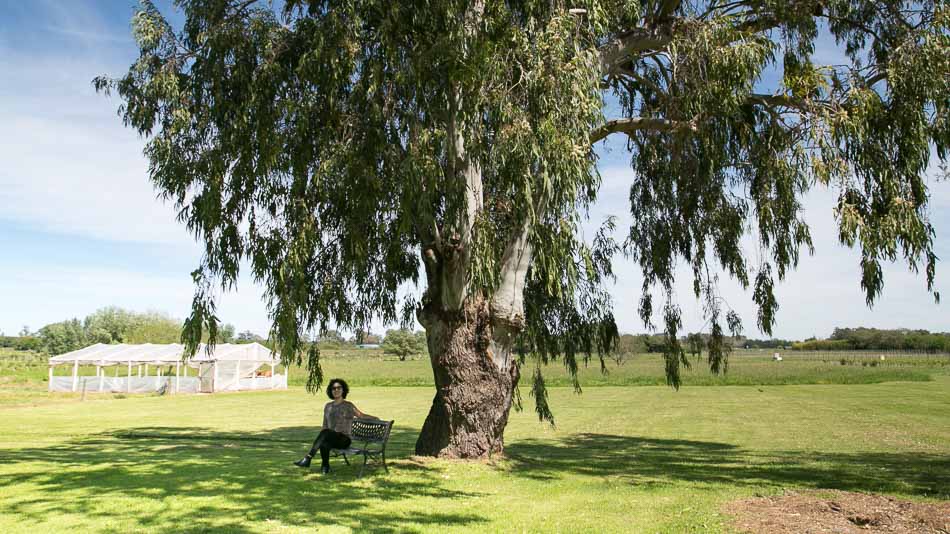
(474, 386)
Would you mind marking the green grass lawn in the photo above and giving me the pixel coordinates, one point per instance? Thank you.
(621, 459)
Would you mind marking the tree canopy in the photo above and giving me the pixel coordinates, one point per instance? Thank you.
(116, 325)
(403, 343)
(345, 148)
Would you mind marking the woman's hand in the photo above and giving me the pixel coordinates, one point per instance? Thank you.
(362, 415)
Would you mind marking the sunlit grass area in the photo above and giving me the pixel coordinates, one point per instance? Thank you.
(642, 459)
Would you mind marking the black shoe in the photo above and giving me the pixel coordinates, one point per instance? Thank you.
(324, 469)
(303, 462)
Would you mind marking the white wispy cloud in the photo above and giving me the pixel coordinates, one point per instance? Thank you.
(90, 37)
(69, 164)
(81, 22)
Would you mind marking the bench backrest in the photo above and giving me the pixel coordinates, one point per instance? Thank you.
(371, 430)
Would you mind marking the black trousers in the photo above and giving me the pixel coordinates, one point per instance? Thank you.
(326, 440)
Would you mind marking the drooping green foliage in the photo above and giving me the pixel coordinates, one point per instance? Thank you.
(561, 325)
(319, 148)
(735, 156)
(332, 146)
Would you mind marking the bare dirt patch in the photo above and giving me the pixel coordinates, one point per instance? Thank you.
(843, 512)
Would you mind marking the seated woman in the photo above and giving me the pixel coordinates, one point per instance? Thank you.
(338, 418)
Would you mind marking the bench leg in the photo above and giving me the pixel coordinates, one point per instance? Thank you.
(362, 467)
(345, 459)
(386, 467)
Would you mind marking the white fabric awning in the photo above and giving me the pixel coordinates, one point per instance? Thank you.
(102, 354)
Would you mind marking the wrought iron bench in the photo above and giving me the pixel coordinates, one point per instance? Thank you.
(369, 437)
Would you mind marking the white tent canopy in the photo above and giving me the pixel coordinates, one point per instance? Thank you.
(226, 367)
(105, 355)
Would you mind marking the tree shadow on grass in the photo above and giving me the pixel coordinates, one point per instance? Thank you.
(658, 462)
(197, 479)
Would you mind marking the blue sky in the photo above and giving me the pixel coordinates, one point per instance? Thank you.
(81, 228)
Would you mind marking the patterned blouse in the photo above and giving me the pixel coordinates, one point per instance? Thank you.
(339, 417)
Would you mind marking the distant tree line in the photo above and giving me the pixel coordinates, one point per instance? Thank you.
(402, 343)
(333, 339)
(766, 343)
(28, 342)
(116, 325)
(695, 343)
(878, 339)
(108, 325)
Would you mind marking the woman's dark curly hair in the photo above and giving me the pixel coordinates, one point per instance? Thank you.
(346, 387)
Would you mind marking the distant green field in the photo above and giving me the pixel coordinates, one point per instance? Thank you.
(23, 375)
(647, 370)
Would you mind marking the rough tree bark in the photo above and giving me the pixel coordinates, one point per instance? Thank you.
(473, 392)
(475, 370)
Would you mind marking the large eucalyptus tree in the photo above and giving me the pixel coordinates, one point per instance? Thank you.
(336, 146)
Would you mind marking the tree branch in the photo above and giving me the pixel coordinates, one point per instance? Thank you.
(507, 302)
(879, 77)
(667, 7)
(618, 51)
(788, 101)
(640, 79)
(759, 24)
(465, 169)
(656, 124)
(722, 8)
(635, 124)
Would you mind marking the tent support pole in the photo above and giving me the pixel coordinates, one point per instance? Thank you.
(102, 376)
(50, 378)
(75, 374)
(128, 383)
(177, 379)
(272, 371)
(214, 380)
(237, 376)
